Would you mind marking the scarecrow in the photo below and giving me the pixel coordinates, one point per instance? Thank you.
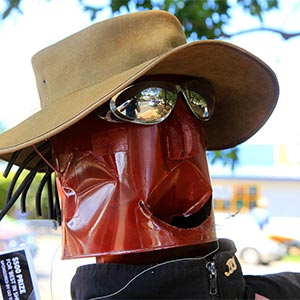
(133, 190)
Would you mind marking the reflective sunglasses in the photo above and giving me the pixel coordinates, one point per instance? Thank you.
(152, 101)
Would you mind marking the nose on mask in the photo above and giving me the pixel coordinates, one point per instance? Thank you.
(181, 131)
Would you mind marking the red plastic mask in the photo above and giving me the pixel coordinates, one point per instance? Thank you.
(130, 189)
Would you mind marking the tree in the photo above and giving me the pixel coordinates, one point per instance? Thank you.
(201, 18)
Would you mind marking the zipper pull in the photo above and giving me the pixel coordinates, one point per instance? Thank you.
(213, 285)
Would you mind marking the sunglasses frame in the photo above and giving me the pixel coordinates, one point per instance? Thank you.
(109, 111)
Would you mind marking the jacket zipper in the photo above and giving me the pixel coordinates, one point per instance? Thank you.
(213, 284)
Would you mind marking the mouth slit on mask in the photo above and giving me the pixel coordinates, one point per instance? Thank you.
(185, 222)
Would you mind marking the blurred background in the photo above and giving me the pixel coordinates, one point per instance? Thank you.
(256, 185)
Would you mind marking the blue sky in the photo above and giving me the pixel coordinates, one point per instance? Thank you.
(44, 23)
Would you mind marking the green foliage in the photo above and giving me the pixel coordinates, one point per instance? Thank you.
(11, 6)
(30, 200)
(226, 157)
(4, 183)
(201, 19)
(258, 7)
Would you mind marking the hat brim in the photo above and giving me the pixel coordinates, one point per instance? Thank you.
(246, 92)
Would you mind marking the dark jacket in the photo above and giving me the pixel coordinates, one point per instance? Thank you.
(216, 277)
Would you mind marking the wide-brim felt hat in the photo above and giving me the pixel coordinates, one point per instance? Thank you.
(83, 71)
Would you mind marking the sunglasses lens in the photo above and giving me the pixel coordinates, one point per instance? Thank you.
(200, 98)
(145, 103)
(198, 105)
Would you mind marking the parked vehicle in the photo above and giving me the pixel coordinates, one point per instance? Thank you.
(286, 240)
(253, 245)
(285, 230)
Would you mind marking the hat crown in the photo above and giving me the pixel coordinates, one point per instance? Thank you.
(102, 51)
